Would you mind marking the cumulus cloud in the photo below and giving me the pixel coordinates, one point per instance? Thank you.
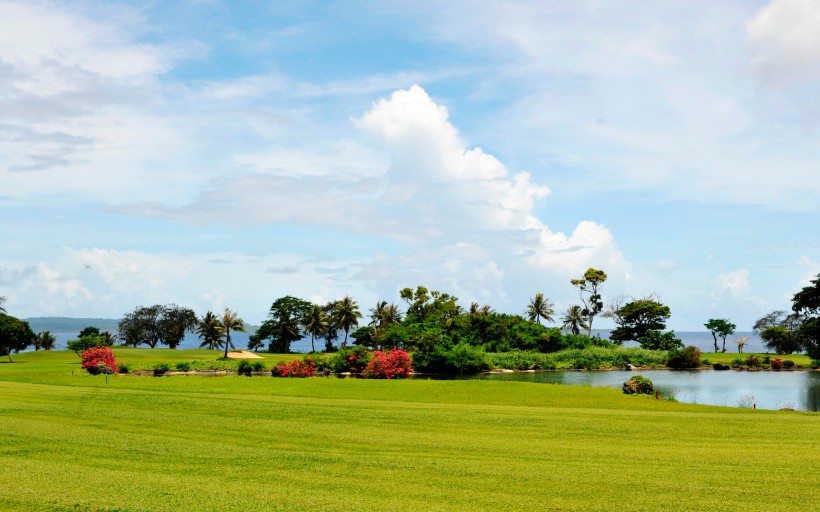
(784, 37)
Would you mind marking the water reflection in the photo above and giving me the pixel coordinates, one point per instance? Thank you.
(798, 390)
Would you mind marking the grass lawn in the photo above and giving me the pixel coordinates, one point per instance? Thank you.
(728, 357)
(71, 442)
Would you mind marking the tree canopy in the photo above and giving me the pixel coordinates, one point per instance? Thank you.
(720, 327)
(588, 289)
(636, 318)
(157, 325)
(15, 335)
(283, 325)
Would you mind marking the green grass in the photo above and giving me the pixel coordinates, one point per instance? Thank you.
(71, 442)
(728, 357)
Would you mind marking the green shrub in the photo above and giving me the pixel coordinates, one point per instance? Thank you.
(462, 359)
(753, 361)
(689, 357)
(84, 343)
(124, 368)
(161, 368)
(244, 368)
(638, 385)
(767, 359)
(788, 363)
(258, 366)
(183, 366)
(706, 362)
(351, 359)
(737, 362)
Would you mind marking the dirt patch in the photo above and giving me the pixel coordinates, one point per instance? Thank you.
(243, 354)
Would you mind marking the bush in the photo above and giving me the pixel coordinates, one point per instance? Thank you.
(706, 362)
(124, 368)
(160, 369)
(99, 360)
(689, 357)
(656, 340)
(753, 361)
(295, 368)
(638, 385)
(462, 359)
(258, 366)
(353, 360)
(788, 363)
(393, 364)
(777, 364)
(737, 362)
(244, 368)
(183, 366)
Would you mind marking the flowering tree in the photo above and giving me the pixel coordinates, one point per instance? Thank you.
(295, 368)
(99, 360)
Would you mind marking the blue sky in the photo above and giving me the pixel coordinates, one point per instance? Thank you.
(224, 154)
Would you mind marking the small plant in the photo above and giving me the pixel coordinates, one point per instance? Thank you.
(706, 362)
(638, 385)
(244, 368)
(258, 366)
(393, 364)
(788, 363)
(689, 357)
(99, 360)
(767, 359)
(124, 368)
(754, 361)
(777, 364)
(160, 369)
(183, 366)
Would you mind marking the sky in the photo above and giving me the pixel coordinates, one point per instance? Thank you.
(222, 154)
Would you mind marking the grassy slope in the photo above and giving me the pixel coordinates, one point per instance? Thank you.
(71, 442)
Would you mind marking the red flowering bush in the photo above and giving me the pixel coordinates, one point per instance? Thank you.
(352, 359)
(99, 360)
(393, 364)
(777, 363)
(295, 368)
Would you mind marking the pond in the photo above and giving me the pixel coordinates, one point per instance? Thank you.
(799, 390)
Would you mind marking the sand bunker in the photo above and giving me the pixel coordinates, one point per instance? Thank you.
(243, 354)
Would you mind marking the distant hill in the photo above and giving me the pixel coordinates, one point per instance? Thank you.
(64, 324)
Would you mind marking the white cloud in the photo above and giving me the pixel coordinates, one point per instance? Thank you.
(784, 37)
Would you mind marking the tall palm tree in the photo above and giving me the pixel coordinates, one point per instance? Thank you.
(45, 340)
(315, 323)
(575, 319)
(210, 330)
(384, 314)
(540, 307)
(346, 315)
(231, 322)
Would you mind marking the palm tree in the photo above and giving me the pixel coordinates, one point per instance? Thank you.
(231, 322)
(45, 340)
(210, 330)
(346, 315)
(575, 319)
(315, 323)
(384, 314)
(540, 307)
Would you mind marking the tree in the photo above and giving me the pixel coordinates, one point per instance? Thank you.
(540, 307)
(283, 325)
(2, 304)
(89, 331)
(15, 335)
(720, 327)
(806, 303)
(590, 296)
(155, 325)
(574, 319)
(231, 322)
(332, 333)
(637, 318)
(657, 340)
(315, 323)
(346, 315)
(45, 340)
(780, 339)
(211, 331)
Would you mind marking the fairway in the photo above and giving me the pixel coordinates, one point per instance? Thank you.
(71, 442)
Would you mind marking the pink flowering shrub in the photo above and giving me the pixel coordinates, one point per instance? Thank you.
(393, 364)
(295, 368)
(351, 359)
(777, 363)
(99, 360)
